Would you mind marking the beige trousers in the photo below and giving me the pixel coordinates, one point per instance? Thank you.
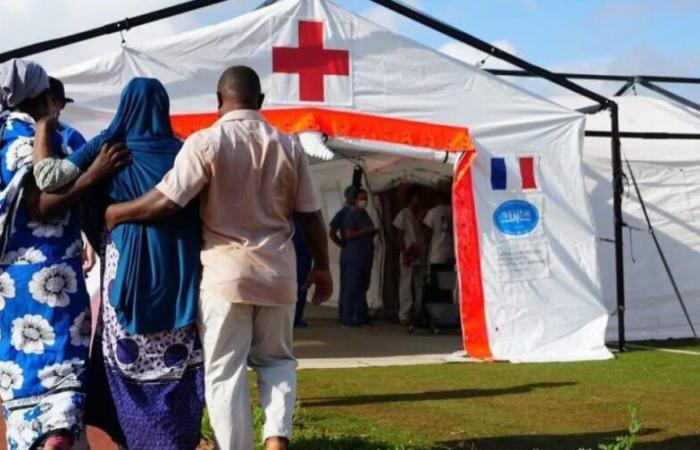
(234, 337)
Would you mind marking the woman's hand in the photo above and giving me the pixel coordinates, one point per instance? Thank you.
(112, 158)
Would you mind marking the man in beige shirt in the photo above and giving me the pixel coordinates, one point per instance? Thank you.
(251, 181)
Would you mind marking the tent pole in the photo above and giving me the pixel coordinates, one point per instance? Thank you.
(644, 135)
(627, 86)
(668, 94)
(618, 188)
(598, 77)
(114, 27)
(487, 48)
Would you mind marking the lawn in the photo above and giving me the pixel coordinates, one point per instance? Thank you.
(504, 406)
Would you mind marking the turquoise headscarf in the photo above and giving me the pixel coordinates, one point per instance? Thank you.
(158, 274)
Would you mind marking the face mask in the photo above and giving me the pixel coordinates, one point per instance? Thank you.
(362, 204)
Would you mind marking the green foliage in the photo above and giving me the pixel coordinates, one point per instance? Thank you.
(626, 442)
(207, 431)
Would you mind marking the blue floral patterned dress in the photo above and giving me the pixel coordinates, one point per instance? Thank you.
(44, 306)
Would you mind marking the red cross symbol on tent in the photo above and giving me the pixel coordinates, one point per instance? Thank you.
(311, 61)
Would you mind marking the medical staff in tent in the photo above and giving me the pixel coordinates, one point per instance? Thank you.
(439, 232)
(410, 238)
(438, 229)
(337, 235)
(356, 262)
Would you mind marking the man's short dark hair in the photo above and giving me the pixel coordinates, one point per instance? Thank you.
(242, 83)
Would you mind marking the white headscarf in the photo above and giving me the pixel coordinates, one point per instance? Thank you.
(20, 80)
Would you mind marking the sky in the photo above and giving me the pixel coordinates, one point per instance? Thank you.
(627, 37)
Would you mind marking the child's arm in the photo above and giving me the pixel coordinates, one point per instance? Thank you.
(52, 174)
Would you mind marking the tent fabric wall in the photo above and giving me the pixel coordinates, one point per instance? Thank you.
(668, 174)
(532, 313)
(554, 317)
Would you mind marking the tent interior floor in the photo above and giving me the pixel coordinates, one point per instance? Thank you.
(326, 344)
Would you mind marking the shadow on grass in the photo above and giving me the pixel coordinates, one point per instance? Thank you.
(346, 443)
(569, 442)
(425, 396)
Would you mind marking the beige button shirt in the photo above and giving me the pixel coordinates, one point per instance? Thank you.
(251, 179)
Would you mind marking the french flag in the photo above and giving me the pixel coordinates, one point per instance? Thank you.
(502, 180)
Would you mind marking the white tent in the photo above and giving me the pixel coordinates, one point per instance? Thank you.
(525, 243)
(668, 174)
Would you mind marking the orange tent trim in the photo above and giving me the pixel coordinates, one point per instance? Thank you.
(349, 125)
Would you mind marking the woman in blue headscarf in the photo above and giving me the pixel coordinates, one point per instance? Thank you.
(44, 306)
(148, 351)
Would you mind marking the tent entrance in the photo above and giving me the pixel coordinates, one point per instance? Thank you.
(387, 177)
(392, 201)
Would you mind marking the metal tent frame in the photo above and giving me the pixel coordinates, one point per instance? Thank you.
(630, 81)
(527, 69)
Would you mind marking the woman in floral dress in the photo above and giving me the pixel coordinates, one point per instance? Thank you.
(44, 307)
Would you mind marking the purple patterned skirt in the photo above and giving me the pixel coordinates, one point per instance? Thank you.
(147, 391)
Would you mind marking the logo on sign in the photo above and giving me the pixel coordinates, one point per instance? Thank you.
(516, 217)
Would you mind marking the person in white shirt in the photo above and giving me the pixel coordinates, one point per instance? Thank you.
(410, 238)
(252, 181)
(439, 232)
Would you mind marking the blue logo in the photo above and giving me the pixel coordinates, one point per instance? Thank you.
(516, 217)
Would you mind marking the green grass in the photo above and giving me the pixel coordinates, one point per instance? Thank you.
(504, 406)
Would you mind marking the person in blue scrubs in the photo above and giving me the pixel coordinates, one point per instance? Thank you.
(337, 235)
(356, 262)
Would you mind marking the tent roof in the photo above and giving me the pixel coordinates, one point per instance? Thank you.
(388, 75)
(643, 114)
